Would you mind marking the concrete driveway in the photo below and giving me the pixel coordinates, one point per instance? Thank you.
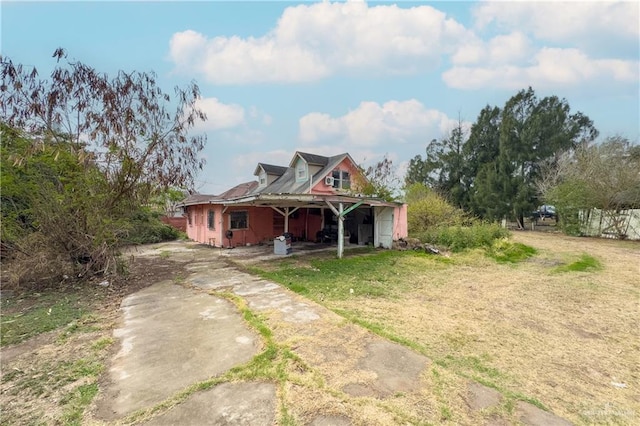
(175, 335)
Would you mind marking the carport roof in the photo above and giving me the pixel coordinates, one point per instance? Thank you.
(304, 200)
(286, 200)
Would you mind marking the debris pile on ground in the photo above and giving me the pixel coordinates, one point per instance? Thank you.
(415, 244)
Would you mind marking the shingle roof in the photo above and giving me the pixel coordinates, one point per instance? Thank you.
(270, 169)
(197, 199)
(238, 191)
(313, 159)
(286, 184)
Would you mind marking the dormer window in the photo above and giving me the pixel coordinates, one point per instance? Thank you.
(301, 171)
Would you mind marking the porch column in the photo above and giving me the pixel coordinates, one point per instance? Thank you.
(340, 230)
(286, 219)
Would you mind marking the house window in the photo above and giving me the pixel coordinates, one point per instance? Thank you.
(341, 179)
(211, 224)
(189, 216)
(238, 220)
(262, 181)
(301, 172)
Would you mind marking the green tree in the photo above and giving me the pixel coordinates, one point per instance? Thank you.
(380, 180)
(531, 131)
(82, 152)
(480, 152)
(442, 169)
(594, 176)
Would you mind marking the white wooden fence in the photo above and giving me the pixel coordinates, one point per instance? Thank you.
(610, 224)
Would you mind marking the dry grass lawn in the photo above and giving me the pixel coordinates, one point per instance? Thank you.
(565, 340)
(568, 340)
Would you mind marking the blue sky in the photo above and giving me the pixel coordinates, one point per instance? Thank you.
(365, 78)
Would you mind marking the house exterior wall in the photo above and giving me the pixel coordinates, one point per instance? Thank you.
(400, 228)
(261, 225)
(305, 225)
(346, 165)
(264, 224)
(197, 224)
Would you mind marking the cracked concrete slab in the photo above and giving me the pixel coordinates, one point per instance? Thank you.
(531, 415)
(396, 368)
(247, 404)
(260, 295)
(480, 397)
(359, 363)
(171, 337)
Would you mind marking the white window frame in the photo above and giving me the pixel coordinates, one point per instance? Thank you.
(339, 178)
(301, 171)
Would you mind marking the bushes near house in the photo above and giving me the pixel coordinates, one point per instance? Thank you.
(146, 227)
(433, 220)
(458, 238)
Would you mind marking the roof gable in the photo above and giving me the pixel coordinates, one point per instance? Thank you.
(312, 159)
(270, 169)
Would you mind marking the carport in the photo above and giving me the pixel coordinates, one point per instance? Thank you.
(388, 220)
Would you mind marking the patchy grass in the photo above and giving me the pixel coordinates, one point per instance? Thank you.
(76, 402)
(506, 251)
(55, 346)
(487, 315)
(586, 263)
(32, 315)
(370, 275)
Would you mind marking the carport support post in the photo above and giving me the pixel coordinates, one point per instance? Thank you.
(286, 220)
(341, 213)
(340, 230)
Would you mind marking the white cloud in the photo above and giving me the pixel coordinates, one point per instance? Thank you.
(372, 124)
(313, 41)
(219, 115)
(550, 68)
(247, 162)
(502, 49)
(261, 116)
(578, 22)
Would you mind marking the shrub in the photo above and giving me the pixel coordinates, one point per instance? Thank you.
(427, 210)
(459, 238)
(146, 227)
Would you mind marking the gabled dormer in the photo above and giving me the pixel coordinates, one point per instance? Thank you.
(340, 175)
(267, 173)
(306, 165)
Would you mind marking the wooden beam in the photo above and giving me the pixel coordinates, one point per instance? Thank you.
(333, 209)
(352, 208)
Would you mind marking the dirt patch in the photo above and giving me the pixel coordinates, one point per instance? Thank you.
(42, 374)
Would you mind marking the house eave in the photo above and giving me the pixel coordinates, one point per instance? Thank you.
(304, 200)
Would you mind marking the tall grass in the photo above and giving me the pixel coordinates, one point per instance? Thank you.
(458, 238)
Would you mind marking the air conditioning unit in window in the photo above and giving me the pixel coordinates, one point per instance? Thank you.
(328, 181)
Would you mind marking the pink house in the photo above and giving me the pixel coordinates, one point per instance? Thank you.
(315, 198)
